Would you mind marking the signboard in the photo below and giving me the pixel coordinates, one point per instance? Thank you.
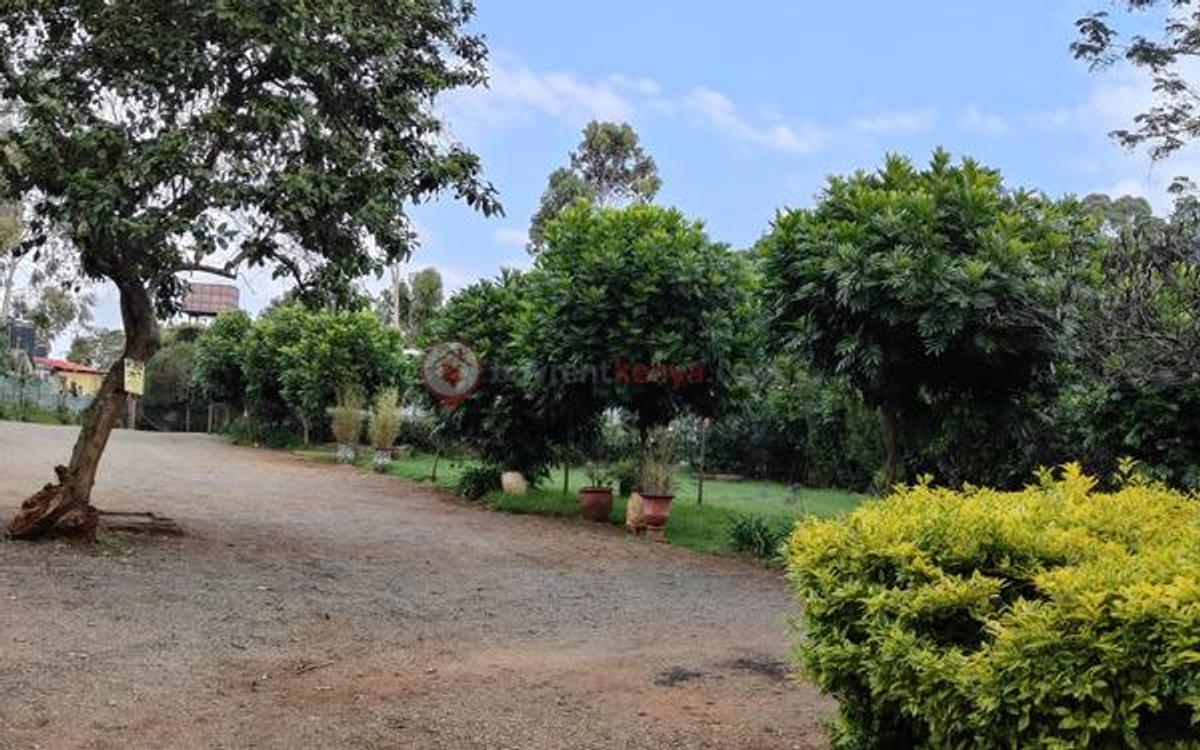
(135, 377)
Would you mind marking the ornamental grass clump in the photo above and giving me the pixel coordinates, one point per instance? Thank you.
(384, 426)
(346, 420)
(1056, 616)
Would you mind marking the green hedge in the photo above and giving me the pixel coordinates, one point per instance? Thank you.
(1052, 617)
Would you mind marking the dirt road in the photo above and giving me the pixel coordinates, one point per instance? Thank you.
(314, 606)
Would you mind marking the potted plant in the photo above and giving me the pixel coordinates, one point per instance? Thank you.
(346, 422)
(384, 427)
(658, 480)
(596, 499)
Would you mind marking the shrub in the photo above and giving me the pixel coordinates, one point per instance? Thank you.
(251, 431)
(420, 432)
(477, 481)
(1056, 616)
(627, 476)
(758, 536)
(385, 420)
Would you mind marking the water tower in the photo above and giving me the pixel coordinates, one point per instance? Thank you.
(208, 300)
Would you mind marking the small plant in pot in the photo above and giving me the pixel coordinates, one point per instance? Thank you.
(346, 420)
(596, 499)
(384, 427)
(658, 480)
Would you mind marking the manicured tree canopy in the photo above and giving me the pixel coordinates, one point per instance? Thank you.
(919, 285)
(637, 308)
(169, 137)
(505, 418)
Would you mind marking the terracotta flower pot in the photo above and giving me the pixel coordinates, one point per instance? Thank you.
(656, 509)
(595, 503)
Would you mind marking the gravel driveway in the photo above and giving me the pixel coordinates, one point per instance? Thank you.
(314, 606)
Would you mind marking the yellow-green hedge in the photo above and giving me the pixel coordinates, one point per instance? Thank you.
(1053, 617)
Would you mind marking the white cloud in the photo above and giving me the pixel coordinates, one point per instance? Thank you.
(1115, 99)
(639, 85)
(511, 237)
(719, 112)
(517, 94)
(910, 121)
(976, 120)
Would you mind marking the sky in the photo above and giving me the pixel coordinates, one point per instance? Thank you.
(748, 107)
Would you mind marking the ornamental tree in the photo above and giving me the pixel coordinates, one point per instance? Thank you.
(505, 418)
(920, 286)
(637, 308)
(162, 138)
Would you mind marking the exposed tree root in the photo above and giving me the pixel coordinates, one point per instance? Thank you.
(50, 512)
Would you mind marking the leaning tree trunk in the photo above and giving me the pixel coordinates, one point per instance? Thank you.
(67, 503)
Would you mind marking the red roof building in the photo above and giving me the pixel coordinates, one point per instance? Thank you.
(64, 365)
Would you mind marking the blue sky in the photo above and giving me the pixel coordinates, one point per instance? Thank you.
(747, 107)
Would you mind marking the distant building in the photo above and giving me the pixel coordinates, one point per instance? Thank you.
(209, 300)
(75, 378)
(20, 337)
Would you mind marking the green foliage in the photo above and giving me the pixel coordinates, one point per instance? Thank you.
(637, 308)
(608, 167)
(598, 474)
(1172, 120)
(759, 536)
(1056, 616)
(54, 309)
(478, 481)
(922, 288)
(504, 418)
(295, 361)
(314, 120)
(627, 476)
(384, 426)
(791, 426)
(169, 375)
(335, 348)
(1133, 387)
(98, 348)
(250, 431)
(420, 433)
(220, 364)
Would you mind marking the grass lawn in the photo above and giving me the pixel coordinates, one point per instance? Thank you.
(703, 527)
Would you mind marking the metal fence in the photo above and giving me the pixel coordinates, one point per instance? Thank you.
(20, 394)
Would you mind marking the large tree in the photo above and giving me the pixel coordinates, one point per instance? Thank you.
(608, 167)
(1174, 118)
(54, 309)
(159, 138)
(924, 288)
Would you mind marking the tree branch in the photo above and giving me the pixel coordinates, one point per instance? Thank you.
(225, 271)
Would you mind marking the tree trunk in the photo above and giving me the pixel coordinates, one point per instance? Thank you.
(68, 502)
(700, 476)
(9, 281)
(566, 477)
(890, 428)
